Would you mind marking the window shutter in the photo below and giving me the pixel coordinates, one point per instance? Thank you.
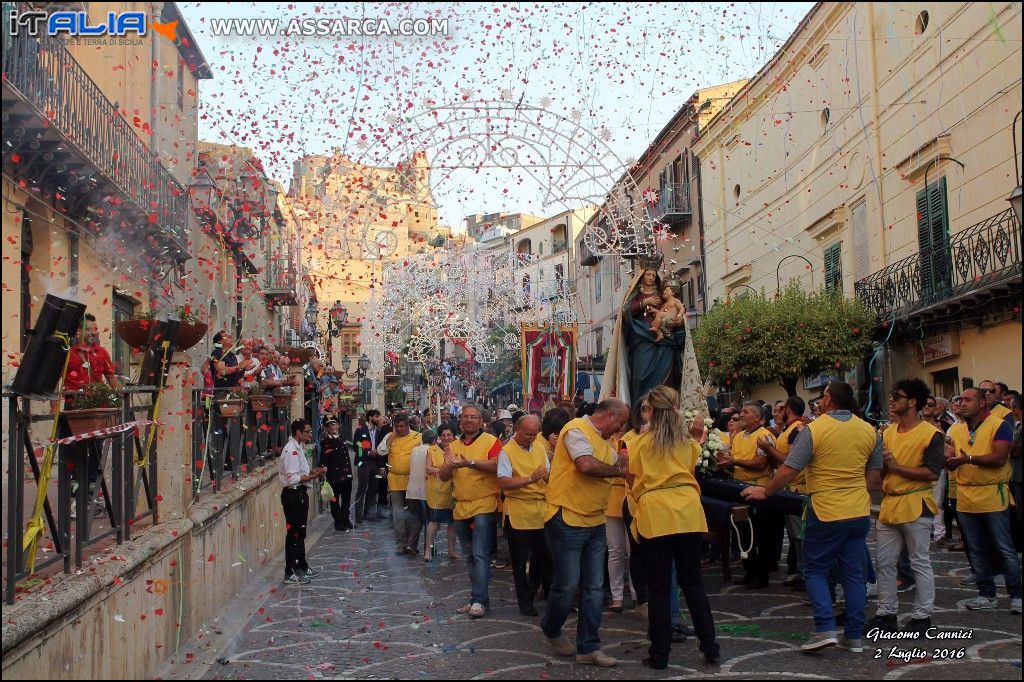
(933, 239)
(834, 267)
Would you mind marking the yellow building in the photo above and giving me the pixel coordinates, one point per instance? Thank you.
(354, 219)
(874, 154)
(95, 173)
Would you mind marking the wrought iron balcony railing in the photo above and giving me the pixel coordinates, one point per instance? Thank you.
(50, 80)
(977, 258)
(673, 203)
(280, 280)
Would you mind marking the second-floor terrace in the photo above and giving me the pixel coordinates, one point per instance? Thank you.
(64, 139)
(971, 266)
(673, 207)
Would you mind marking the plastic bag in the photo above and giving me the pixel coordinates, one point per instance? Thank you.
(326, 492)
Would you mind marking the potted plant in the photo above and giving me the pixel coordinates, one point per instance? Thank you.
(98, 407)
(283, 396)
(231, 405)
(135, 332)
(259, 399)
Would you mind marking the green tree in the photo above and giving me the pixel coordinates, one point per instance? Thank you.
(753, 340)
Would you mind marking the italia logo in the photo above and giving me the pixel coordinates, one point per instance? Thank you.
(78, 24)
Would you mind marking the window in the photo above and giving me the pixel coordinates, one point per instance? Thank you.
(616, 274)
(526, 287)
(123, 310)
(598, 277)
(933, 239)
(834, 267)
(921, 25)
(559, 274)
(599, 342)
(181, 85)
(540, 249)
(861, 241)
(349, 346)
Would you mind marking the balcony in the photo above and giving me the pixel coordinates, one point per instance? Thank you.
(279, 284)
(62, 135)
(980, 260)
(559, 247)
(673, 207)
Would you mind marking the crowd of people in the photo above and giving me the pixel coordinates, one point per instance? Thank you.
(606, 500)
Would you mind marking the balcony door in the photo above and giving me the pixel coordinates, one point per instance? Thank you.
(933, 241)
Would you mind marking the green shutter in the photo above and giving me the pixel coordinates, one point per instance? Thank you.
(933, 240)
(834, 267)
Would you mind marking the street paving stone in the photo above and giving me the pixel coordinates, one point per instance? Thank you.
(373, 614)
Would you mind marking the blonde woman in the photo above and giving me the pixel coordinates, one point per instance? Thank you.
(669, 522)
(440, 499)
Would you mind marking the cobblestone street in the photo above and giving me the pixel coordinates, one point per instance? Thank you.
(372, 614)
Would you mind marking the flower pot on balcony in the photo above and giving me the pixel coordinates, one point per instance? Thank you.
(92, 419)
(283, 397)
(230, 407)
(136, 333)
(299, 356)
(261, 403)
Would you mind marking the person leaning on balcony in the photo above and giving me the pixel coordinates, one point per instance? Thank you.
(843, 456)
(88, 363)
(227, 373)
(978, 451)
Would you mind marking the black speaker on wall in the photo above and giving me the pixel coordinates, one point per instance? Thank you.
(46, 354)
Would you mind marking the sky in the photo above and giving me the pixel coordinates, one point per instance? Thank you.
(593, 83)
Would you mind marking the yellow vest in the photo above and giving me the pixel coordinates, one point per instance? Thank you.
(980, 489)
(475, 491)
(798, 484)
(835, 476)
(399, 454)
(627, 491)
(667, 493)
(526, 506)
(904, 496)
(439, 493)
(744, 448)
(582, 499)
(1000, 411)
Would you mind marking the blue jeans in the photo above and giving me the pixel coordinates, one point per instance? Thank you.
(825, 543)
(477, 537)
(988, 535)
(578, 555)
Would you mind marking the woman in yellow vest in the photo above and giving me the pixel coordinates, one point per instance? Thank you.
(980, 456)
(523, 476)
(913, 459)
(440, 498)
(669, 523)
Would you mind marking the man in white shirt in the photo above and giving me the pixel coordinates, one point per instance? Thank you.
(293, 473)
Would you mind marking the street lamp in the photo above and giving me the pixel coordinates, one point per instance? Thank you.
(311, 316)
(778, 277)
(1015, 195)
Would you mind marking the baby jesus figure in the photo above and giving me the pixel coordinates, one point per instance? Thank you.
(670, 315)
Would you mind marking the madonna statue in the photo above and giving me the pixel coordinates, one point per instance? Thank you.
(637, 361)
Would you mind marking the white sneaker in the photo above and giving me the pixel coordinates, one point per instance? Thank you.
(981, 603)
(854, 645)
(818, 641)
(477, 610)
(1015, 605)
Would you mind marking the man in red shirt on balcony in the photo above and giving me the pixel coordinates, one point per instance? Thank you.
(88, 363)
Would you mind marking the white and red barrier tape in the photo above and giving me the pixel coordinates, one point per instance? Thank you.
(103, 433)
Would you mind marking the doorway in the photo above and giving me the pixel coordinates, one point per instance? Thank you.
(946, 384)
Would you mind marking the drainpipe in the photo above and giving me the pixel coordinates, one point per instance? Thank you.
(876, 109)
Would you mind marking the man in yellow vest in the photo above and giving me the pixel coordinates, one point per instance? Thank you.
(398, 447)
(913, 457)
(994, 392)
(472, 461)
(839, 451)
(789, 419)
(523, 474)
(751, 464)
(978, 450)
(577, 497)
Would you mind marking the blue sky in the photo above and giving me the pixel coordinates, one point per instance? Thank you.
(618, 71)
